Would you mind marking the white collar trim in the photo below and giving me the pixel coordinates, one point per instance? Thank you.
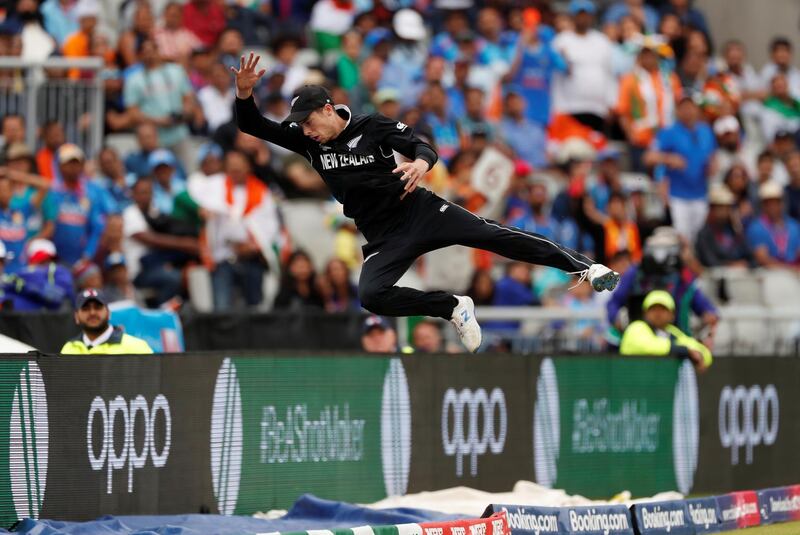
(102, 339)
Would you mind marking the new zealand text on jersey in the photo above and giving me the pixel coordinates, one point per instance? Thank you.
(334, 160)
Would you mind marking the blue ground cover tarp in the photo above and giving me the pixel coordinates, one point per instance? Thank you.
(309, 512)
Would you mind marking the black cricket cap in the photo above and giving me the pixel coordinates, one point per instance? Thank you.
(90, 294)
(307, 99)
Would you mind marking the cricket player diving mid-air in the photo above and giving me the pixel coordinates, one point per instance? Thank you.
(355, 155)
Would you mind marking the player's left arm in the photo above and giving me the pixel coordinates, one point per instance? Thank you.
(400, 137)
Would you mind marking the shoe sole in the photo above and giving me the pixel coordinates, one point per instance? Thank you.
(608, 282)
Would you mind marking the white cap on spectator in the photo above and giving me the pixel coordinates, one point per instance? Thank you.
(725, 125)
(87, 8)
(40, 250)
(576, 148)
(408, 24)
(770, 190)
(720, 195)
(68, 152)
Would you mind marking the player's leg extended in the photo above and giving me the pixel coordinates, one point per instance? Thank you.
(462, 227)
(384, 264)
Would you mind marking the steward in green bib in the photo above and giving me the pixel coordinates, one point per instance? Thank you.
(656, 335)
(98, 336)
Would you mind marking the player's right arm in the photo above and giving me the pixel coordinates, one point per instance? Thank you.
(249, 119)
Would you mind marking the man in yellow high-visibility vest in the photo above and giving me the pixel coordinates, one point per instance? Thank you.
(656, 335)
(98, 336)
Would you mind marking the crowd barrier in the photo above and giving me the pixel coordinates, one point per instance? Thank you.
(232, 433)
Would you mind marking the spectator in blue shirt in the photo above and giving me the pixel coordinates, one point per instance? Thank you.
(166, 182)
(515, 289)
(534, 64)
(73, 210)
(539, 220)
(444, 43)
(686, 149)
(688, 15)
(42, 284)
(114, 180)
(774, 237)
(443, 124)
(137, 162)
(633, 8)
(526, 138)
(14, 217)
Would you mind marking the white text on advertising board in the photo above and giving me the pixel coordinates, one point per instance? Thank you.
(748, 417)
(131, 455)
(666, 520)
(468, 407)
(593, 521)
(537, 523)
(333, 436)
(598, 429)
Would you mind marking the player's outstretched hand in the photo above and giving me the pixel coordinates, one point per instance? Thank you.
(412, 173)
(246, 75)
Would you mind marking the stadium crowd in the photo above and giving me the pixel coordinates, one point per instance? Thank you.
(619, 117)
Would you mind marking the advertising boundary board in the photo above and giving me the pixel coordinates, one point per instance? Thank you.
(234, 433)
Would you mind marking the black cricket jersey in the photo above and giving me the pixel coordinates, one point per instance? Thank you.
(356, 166)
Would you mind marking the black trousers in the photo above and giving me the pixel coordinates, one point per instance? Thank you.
(433, 223)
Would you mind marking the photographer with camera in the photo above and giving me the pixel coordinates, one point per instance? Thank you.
(663, 267)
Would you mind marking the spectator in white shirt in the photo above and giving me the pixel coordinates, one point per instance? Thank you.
(780, 52)
(588, 90)
(217, 98)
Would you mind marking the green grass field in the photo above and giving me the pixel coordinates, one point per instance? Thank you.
(792, 528)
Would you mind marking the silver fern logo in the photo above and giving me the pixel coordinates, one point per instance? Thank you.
(395, 430)
(546, 426)
(226, 438)
(28, 444)
(685, 428)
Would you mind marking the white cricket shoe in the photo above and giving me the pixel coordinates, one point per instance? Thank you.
(602, 278)
(466, 323)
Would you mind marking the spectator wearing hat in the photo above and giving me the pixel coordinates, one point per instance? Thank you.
(721, 242)
(378, 336)
(647, 97)
(534, 65)
(115, 274)
(686, 149)
(166, 183)
(42, 284)
(588, 90)
(781, 109)
(79, 44)
(655, 335)
(526, 138)
(729, 146)
(387, 102)
(86, 274)
(98, 336)
(74, 209)
(137, 162)
(773, 236)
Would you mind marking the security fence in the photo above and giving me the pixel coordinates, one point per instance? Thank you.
(43, 92)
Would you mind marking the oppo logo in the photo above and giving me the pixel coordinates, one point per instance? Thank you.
(748, 417)
(116, 422)
(479, 424)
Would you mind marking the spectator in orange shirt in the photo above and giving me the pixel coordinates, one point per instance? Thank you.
(79, 44)
(53, 137)
(621, 234)
(647, 97)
